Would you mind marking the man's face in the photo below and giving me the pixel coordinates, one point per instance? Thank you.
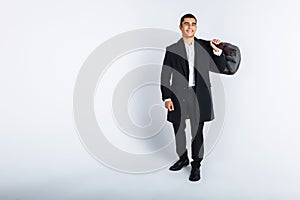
(188, 27)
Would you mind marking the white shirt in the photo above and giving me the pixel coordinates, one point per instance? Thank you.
(190, 51)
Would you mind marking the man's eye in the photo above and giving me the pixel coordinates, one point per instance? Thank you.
(186, 24)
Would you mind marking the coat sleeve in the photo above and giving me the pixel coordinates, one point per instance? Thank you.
(166, 73)
(217, 63)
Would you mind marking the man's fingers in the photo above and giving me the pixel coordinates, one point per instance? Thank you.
(172, 107)
(212, 44)
(216, 41)
(169, 105)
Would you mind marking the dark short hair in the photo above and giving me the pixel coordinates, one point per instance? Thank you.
(187, 16)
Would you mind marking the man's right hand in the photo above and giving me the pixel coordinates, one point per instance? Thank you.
(169, 105)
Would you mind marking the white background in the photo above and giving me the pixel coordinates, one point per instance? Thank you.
(42, 47)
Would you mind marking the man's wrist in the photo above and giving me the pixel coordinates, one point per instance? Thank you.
(217, 52)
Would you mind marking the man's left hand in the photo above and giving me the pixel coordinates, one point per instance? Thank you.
(213, 44)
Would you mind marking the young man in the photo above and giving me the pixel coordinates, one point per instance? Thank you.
(185, 88)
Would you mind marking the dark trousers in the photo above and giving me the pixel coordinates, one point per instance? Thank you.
(196, 132)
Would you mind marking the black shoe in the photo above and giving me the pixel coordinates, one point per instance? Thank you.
(195, 174)
(179, 165)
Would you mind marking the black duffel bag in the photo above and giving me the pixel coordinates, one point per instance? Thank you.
(233, 57)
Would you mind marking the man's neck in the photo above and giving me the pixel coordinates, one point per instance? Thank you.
(188, 40)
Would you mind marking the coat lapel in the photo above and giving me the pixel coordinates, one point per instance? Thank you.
(200, 55)
(197, 53)
(182, 53)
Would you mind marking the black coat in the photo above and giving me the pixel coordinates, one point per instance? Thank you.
(174, 78)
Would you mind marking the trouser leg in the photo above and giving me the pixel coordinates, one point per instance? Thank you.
(180, 140)
(196, 130)
(197, 144)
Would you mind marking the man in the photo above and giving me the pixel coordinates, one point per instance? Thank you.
(185, 88)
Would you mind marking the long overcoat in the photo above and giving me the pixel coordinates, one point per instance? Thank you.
(175, 73)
